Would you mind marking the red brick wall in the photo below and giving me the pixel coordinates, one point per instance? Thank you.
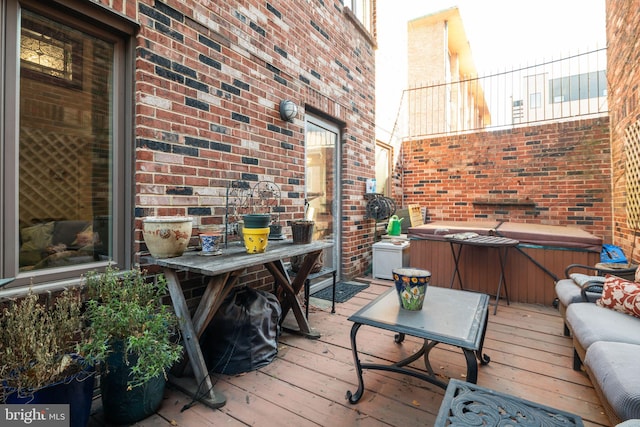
(209, 77)
(623, 75)
(557, 174)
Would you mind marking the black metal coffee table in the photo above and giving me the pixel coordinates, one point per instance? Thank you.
(466, 404)
(449, 316)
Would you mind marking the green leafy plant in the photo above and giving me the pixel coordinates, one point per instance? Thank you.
(124, 310)
(38, 342)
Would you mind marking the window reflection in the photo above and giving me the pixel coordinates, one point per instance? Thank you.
(65, 145)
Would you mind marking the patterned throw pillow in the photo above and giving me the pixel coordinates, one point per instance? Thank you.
(620, 295)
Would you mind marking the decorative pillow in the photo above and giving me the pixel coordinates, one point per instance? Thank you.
(85, 237)
(67, 231)
(620, 295)
(37, 237)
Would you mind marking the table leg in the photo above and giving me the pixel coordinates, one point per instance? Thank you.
(191, 344)
(355, 397)
(503, 279)
(483, 358)
(472, 365)
(456, 260)
(426, 349)
(473, 357)
(289, 291)
(216, 291)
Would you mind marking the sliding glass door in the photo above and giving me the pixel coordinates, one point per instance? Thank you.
(322, 186)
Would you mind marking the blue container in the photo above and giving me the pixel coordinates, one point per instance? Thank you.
(124, 406)
(76, 391)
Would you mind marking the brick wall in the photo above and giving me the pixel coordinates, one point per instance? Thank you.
(557, 174)
(623, 75)
(209, 78)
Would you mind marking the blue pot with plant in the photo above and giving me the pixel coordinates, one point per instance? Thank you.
(40, 363)
(133, 339)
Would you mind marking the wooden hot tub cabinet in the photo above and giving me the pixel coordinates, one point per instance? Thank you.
(543, 253)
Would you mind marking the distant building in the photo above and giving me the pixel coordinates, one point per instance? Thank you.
(541, 96)
(439, 56)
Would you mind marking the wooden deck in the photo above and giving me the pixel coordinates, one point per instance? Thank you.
(307, 383)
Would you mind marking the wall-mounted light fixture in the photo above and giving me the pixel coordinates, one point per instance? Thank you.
(288, 110)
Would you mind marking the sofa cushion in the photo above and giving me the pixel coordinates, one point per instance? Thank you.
(35, 240)
(614, 366)
(620, 295)
(37, 237)
(568, 291)
(66, 232)
(590, 323)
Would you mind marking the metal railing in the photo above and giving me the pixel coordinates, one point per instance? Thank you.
(556, 90)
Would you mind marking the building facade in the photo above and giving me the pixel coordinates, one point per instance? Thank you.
(623, 77)
(113, 111)
(439, 56)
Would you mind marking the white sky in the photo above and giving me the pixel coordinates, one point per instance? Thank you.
(503, 34)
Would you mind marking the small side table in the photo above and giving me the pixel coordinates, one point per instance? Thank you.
(626, 271)
(467, 404)
(502, 244)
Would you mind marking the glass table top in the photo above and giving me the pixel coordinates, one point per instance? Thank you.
(449, 316)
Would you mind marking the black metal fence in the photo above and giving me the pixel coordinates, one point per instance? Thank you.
(557, 90)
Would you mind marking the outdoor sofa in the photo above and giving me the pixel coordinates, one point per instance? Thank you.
(606, 339)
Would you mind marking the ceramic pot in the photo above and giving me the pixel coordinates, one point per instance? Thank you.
(210, 243)
(275, 231)
(76, 391)
(167, 236)
(255, 239)
(124, 406)
(256, 220)
(411, 284)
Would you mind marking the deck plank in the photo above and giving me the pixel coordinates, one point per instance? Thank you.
(306, 384)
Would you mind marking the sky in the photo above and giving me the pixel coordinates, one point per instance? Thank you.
(502, 34)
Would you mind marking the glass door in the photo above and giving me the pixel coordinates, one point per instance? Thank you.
(322, 188)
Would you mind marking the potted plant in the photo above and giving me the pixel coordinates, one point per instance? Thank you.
(39, 346)
(132, 338)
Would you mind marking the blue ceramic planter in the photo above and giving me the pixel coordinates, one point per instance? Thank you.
(75, 390)
(121, 405)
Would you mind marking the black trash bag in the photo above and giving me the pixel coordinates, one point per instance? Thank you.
(243, 335)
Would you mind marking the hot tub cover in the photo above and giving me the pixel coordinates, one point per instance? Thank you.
(527, 234)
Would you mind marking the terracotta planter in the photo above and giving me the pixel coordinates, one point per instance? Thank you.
(167, 236)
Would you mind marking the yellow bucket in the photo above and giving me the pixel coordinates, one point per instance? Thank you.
(255, 239)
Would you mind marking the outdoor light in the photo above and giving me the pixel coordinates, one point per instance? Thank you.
(288, 110)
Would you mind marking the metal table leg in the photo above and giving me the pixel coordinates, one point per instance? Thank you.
(503, 278)
(456, 259)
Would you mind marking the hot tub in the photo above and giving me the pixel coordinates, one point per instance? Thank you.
(531, 268)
